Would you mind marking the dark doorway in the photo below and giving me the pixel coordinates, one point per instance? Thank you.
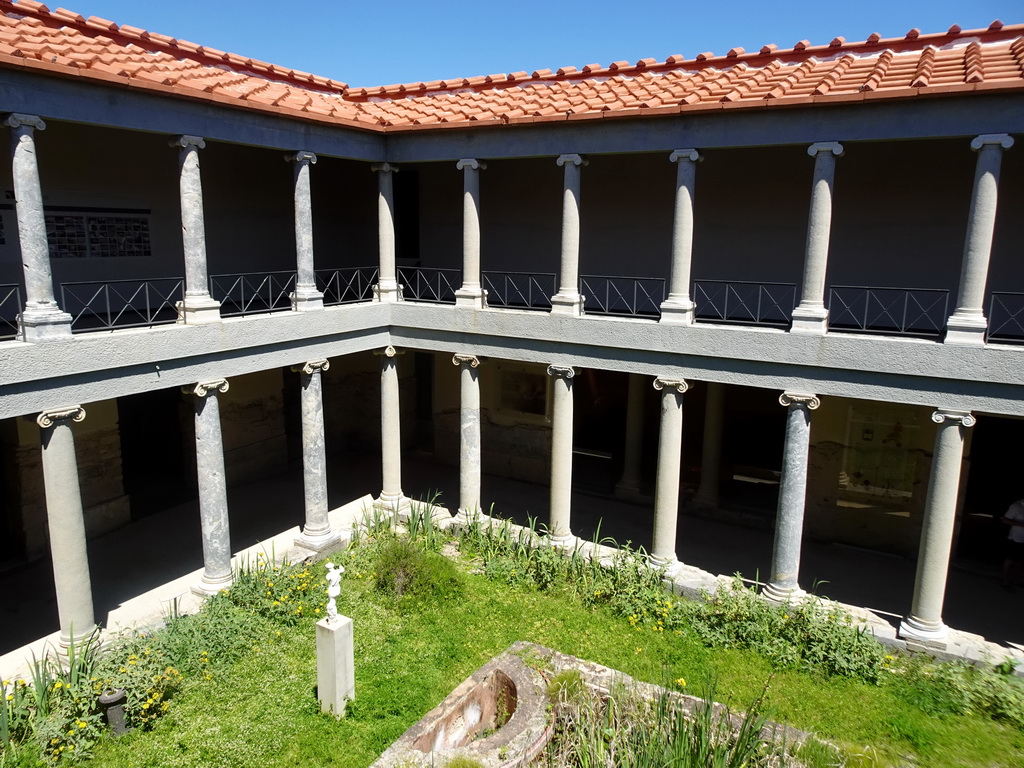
(152, 454)
(424, 362)
(993, 483)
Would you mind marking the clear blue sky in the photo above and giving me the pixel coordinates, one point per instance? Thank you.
(378, 42)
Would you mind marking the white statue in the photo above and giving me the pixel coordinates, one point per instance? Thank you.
(333, 589)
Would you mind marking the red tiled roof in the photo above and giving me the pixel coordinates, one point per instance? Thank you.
(64, 43)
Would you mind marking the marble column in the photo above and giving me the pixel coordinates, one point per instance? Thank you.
(198, 307)
(789, 521)
(967, 324)
(316, 531)
(678, 307)
(305, 296)
(666, 493)
(810, 316)
(66, 525)
(387, 279)
(391, 497)
(711, 452)
(924, 624)
(629, 486)
(213, 496)
(568, 300)
(471, 294)
(469, 437)
(559, 524)
(41, 318)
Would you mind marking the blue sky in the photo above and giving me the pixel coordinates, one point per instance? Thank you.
(378, 42)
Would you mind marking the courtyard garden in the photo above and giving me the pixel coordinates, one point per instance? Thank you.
(234, 685)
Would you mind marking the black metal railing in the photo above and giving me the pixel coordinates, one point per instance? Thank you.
(519, 290)
(892, 311)
(623, 296)
(1006, 317)
(346, 286)
(734, 301)
(437, 286)
(10, 308)
(253, 293)
(101, 306)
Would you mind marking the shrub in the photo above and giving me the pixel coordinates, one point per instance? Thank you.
(140, 666)
(284, 593)
(407, 572)
(956, 688)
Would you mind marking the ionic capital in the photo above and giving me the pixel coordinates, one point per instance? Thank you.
(562, 371)
(685, 154)
(384, 168)
(800, 400)
(186, 141)
(47, 419)
(573, 159)
(472, 164)
(825, 146)
(17, 120)
(472, 360)
(679, 385)
(203, 388)
(311, 367)
(388, 351)
(992, 141)
(963, 418)
(300, 157)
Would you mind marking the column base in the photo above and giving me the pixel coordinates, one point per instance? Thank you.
(77, 638)
(475, 298)
(570, 304)
(322, 542)
(706, 501)
(36, 324)
(198, 310)
(774, 593)
(208, 587)
(810, 320)
(929, 635)
(398, 505)
(566, 543)
(678, 312)
(307, 300)
(629, 492)
(387, 293)
(966, 329)
(669, 566)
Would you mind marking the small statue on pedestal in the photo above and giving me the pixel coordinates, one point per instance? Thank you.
(333, 589)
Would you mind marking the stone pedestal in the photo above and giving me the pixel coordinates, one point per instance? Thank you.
(678, 306)
(335, 665)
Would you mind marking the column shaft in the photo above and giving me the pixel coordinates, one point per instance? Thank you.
(306, 296)
(567, 300)
(66, 525)
(670, 454)
(471, 292)
(678, 306)
(469, 435)
(789, 521)
(629, 485)
(924, 623)
(199, 306)
(391, 496)
(316, 532)
(213, 497)
(559, 523)
(711, 453)
(387, 280)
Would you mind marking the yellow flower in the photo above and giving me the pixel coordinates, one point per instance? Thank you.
(681, 682)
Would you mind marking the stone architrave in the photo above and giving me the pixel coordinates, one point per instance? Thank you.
(41, 318)
(967, 324)
(469, 437)
(391, 498)
(316, 531)
(924, 623)
(678, 307)
(305, 296)
(471, 294)
(559, 524)
(198, 307)
(568, 300)
(784, 584)
(213, 497)
(666, 494)
(810, 315)
(66, 525)
(387, 289)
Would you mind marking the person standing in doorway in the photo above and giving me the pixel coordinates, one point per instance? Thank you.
(1014, 518)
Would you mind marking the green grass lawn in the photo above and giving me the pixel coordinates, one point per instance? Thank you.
(260, 709)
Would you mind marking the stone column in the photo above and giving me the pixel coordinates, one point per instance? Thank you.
(66, 525)
(711, 453)
(789, 521)
(810, 316)
(924, 624)
(41, 318)
(666, 494)
(391, 497)
(561, 457)
(471, 293)
(679, 307)
(213, 495)
(305, 296)
(568, 300)
(387, 279)
(629, 486)
(198, 307)
(316, 531)
(967, 324)
(469, 436)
